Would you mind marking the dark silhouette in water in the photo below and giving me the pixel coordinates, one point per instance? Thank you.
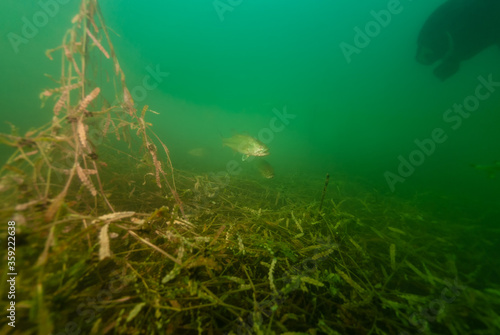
(457, 31)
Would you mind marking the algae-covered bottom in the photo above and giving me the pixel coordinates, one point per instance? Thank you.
(253, 259)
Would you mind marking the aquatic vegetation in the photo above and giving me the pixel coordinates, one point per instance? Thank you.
(105, 244)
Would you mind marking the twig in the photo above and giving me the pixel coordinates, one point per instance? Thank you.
(154, 247)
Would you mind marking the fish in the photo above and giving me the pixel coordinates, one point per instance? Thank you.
(198, 152)
(491, 169)
(246, 145)
(264, 168)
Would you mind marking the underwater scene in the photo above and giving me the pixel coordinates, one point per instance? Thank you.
(228, 167)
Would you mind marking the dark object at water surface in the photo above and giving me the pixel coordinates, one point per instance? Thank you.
(457, 31)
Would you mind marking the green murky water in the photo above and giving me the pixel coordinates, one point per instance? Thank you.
(329, 86)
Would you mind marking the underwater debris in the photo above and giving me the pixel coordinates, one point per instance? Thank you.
(327, 179)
